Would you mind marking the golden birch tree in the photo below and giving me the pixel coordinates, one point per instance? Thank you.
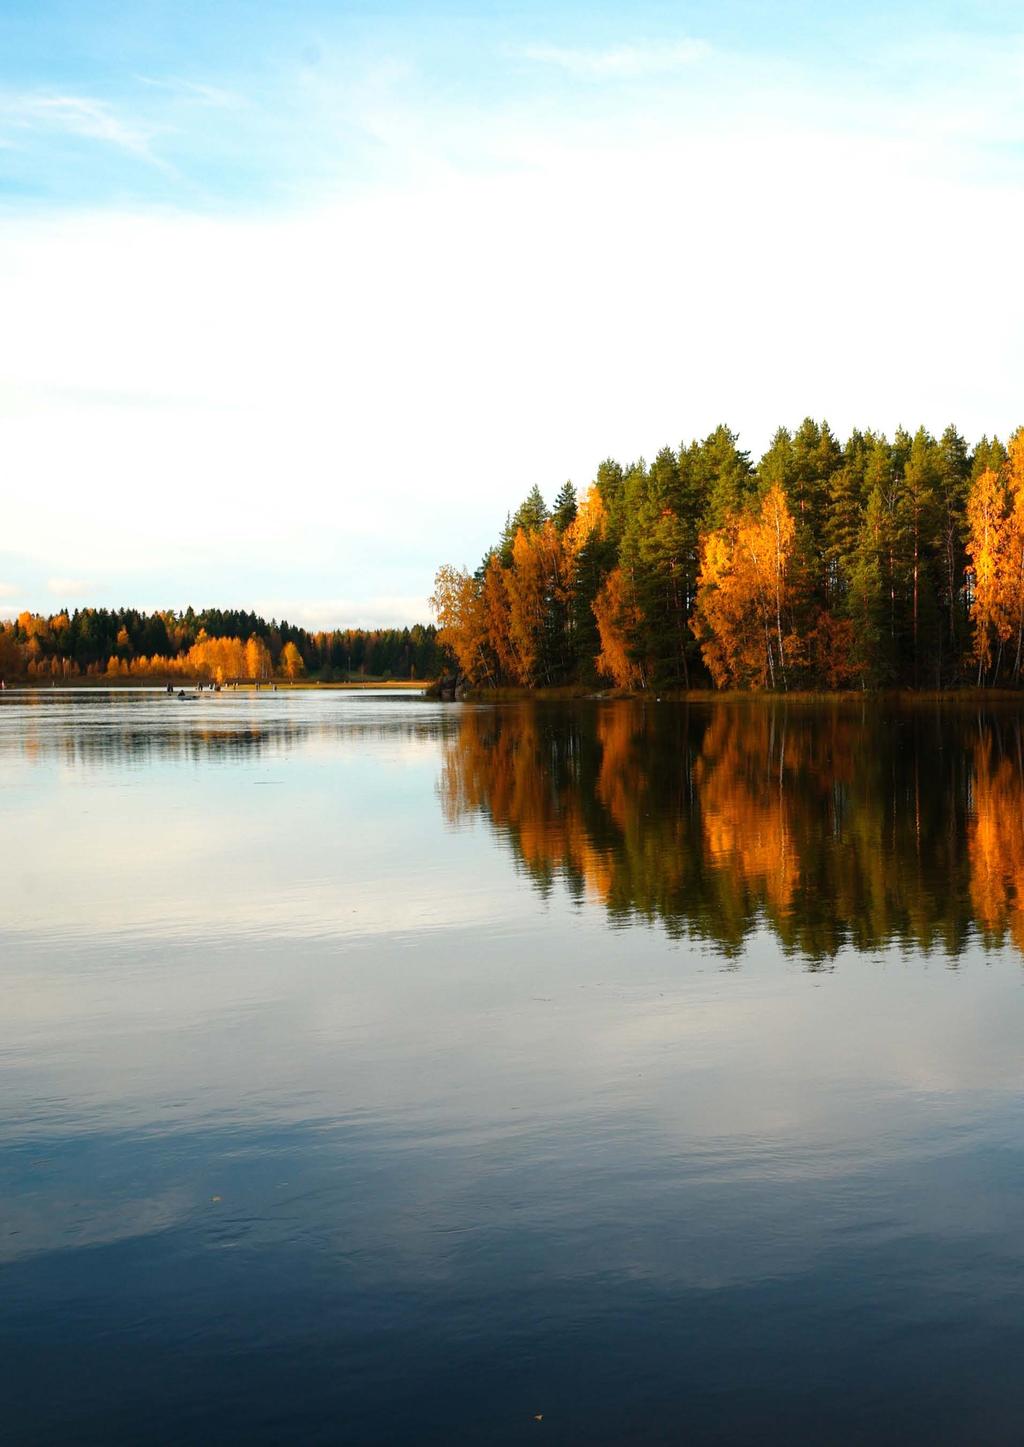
(986, 546)
(616, 615)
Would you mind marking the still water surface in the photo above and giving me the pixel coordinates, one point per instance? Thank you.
(375, 1071)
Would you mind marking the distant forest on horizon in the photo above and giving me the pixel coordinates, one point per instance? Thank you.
(828, 564)
(213, 644)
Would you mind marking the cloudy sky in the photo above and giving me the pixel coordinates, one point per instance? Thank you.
(298, 298)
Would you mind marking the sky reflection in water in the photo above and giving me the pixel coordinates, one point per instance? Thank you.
(375, 1071)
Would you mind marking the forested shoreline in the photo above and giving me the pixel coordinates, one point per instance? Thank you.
(870, 563)
(214, 644)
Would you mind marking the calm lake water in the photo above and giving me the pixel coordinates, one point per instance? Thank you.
(375, 1071)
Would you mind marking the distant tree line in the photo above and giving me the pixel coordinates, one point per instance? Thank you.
(867, 563)
(213, 643)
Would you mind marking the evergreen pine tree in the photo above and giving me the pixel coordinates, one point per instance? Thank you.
(723, 474)
(564, 510)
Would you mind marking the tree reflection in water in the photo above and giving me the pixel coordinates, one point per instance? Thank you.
(843, 824)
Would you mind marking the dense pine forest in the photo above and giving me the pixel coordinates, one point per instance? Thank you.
(869, 563)
(214, 644)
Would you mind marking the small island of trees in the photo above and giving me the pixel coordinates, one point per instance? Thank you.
(867, 563)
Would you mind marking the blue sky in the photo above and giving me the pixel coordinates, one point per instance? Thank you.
(299, 299)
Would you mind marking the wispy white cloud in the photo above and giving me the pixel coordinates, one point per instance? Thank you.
(198, 91)
(78, 115)
(621, 62)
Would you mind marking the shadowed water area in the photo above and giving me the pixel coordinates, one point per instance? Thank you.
(377, 1071)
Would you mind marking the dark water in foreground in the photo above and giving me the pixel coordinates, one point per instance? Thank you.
(373, 1071)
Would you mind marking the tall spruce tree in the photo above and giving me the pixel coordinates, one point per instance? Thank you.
(723, 475)
(531, 514)
(565, 508)
(658, 551)
(844, 519)
(954, 474)
(611, 485)
(920, 502)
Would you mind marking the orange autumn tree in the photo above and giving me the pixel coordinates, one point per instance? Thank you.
(523, 617)
(292, 665)
(458, 605)
(525, 585)
(257, 659)
(617, 616)
(746, 593)
(508, 625)
(216, 658)
(494, 602)
(591, 520)
(1013, 549)
(986, 548)
(538, 592)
